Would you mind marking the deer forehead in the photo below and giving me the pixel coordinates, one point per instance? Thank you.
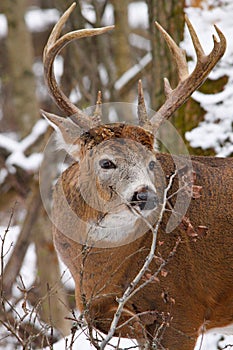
(122, 152)
(120, 131)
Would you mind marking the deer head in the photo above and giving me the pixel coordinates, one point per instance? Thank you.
(112, 197)
(106, 151)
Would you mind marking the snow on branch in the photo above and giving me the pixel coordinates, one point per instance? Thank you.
(17, 151)
(133, 74)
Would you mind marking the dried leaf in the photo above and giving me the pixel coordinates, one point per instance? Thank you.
(186, 226)
(196, 191)
(164, 273)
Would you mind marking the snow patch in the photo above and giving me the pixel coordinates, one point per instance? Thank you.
(38, 20)
(216, 131)
(3, 26)
(108, 16)
(138, 15)
(133, 71)
(10, 239)
(17, 149)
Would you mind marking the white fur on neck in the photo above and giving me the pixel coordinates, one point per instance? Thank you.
(117, 228)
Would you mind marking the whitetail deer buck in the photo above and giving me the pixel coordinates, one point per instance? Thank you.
(113, 192)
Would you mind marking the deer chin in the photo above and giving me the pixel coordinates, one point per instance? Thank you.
(120, 227)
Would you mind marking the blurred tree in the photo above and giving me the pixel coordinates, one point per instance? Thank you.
(121, 47)
(23, 110)
(20, 114)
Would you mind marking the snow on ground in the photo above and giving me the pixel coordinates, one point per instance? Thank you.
(207, 343)
(216, 130)
(82, 343)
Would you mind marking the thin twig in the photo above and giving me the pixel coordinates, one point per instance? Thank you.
(128, 292)
(160, 268)
(3, 239)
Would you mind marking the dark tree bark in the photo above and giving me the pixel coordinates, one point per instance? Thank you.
(121, 47)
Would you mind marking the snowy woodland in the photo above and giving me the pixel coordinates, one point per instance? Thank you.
(33, 282)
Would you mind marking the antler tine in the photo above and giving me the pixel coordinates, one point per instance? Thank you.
(179, 54)
(187, 83)
(196, 43)
(97, 116)
(54, 35)
(53, 47)
(142, 113)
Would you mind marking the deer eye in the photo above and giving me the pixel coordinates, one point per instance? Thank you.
(152, 165)
(107, 164)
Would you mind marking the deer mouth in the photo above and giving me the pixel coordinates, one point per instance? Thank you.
(145, 199)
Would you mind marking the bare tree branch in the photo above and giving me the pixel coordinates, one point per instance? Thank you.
(130, 290)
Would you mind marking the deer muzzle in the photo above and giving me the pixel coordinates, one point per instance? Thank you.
(145, 198)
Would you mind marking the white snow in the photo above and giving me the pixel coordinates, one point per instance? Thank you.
(139, 42)
(205, 342)
(67, 279)
(216, 130)
(3, 175)
(130, 73)
(82, 343)
(103, 74)
(27, 272)
(28, 268)
(138, 14)
(108, 16)
(38, 20)
(3, 26)
(17, 149)
(10, 239)
(88, 12)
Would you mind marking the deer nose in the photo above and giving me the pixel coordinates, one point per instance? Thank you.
(145, 198)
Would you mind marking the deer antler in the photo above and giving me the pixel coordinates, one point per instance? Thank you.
(187, 83)
(53, 47)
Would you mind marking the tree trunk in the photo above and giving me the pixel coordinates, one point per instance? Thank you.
(170, 14)
(21, 81)
(54, 306)
(121, 47)
(171, 17)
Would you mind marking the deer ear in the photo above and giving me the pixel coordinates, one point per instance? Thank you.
(67, 133)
